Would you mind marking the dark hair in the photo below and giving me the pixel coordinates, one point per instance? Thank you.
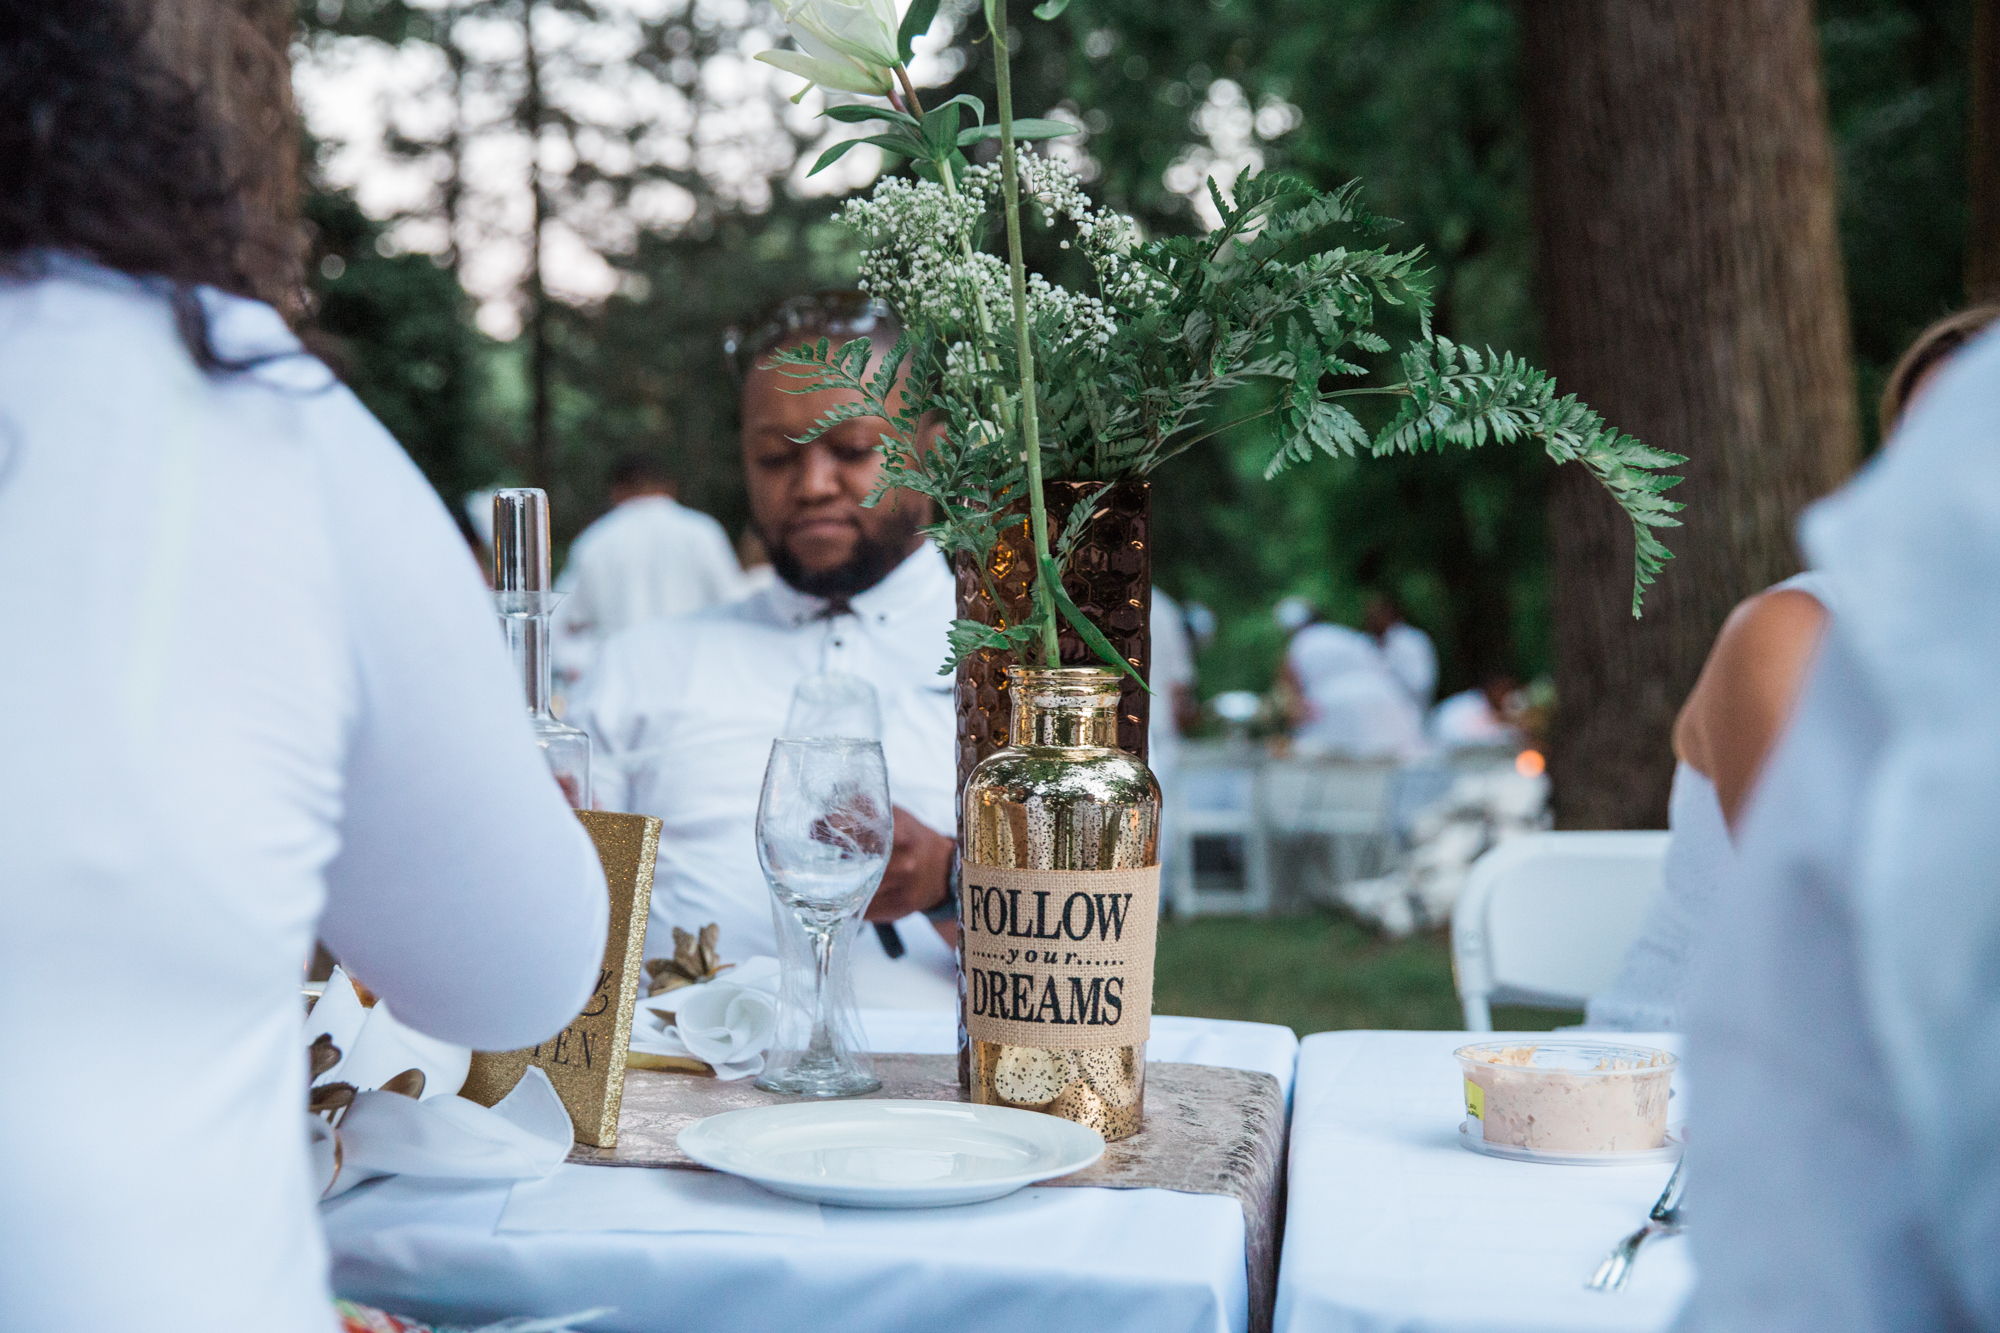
(156, 139)
(1934, 346)
(638, 468)
(838, 316)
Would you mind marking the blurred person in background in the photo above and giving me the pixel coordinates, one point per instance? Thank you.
(1844, 1020)
(268, 700)
(1341, 698)
(1482, 716)
(1738, 708)
(1175, 706)
(1408, 651)
(686, 709)
(648, 558)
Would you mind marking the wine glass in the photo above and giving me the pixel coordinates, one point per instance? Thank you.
(824, 828)
(833, 703)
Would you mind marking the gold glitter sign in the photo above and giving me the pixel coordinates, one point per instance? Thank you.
(586, 1060)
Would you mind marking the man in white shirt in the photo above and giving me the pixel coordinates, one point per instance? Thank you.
(1477, 717)
(1411, 657)
(684, 711)
(1347, 702)
(649, 558)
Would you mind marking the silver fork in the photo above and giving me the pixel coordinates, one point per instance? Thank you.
(1664, 1220)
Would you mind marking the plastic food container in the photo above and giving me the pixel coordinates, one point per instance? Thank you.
(1579, 1102)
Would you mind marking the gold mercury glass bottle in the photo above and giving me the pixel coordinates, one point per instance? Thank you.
(1059, 904)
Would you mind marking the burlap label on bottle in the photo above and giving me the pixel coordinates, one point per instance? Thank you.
(1059, 958)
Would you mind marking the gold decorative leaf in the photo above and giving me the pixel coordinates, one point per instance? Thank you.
(695, 960)
(322, 1055)
(329, 1098)
(409, 1083)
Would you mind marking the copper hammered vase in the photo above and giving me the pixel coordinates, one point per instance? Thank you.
(1110, 578)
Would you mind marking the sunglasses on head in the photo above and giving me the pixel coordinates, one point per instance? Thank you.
(832, 315)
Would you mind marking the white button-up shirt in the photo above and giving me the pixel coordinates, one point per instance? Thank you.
(683, 713)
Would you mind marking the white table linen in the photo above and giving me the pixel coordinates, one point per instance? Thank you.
(1393, 1226)
(1071, 1258)
(592, 1198)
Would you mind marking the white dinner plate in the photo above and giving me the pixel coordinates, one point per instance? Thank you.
(891, 1154)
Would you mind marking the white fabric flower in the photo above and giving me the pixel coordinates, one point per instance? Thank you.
(848, 45)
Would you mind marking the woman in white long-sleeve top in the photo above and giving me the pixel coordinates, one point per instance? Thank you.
(256, 692)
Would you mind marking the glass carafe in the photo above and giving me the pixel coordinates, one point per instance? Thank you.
(524, 595)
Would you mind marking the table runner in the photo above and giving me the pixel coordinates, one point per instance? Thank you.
(1209, 1130)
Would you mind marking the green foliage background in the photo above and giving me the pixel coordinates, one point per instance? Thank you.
(1419, 98)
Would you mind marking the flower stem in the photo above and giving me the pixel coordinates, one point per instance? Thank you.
(909, 91)
(1024, 342)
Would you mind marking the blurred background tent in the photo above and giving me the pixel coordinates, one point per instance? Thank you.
(533, 219)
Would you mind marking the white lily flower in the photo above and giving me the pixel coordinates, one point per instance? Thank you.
(839, 73)
(848, 45)
(863, 30)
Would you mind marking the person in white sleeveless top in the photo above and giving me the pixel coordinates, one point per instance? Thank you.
(266, 700)
(1737, 711)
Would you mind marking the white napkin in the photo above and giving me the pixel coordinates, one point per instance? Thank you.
(729, 1023)
(374, 1047)
(603, 1198)
(526, 1135)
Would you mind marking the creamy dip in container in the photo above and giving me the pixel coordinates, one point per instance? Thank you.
(1567, 1096)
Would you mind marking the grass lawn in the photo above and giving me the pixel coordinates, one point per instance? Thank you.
(1317, 973)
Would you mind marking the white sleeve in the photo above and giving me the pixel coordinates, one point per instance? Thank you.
(1412, 659)
(1911, 550)
(465, 892)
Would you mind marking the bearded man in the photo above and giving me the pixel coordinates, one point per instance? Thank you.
(683, 711)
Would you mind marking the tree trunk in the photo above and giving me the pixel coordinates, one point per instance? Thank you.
(1690, 285)
(1982, 240)
(452, 192)
(534, 112)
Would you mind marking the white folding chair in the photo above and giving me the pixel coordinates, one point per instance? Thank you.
(1213, 823)
(1341, 805)
(1546, 918)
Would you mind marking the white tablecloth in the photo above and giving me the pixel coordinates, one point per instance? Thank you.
(1393, 1226)
(1052, 1258)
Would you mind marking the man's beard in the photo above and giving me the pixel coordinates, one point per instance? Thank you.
(871, 562)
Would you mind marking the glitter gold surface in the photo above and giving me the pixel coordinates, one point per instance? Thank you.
(1061, 798)
(586, 1060)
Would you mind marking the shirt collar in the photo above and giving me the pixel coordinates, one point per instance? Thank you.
(911, 588)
